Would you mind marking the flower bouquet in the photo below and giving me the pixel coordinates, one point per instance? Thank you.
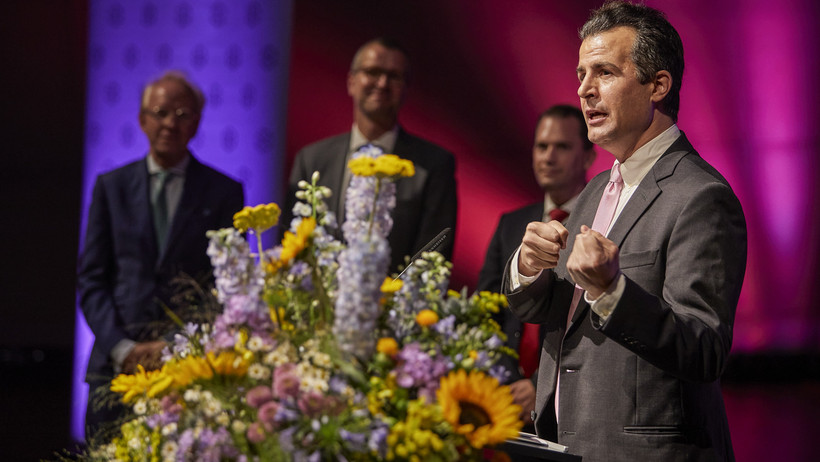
(317, 356)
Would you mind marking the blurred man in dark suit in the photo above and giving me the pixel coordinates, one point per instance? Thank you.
(561, 156)
(146, 226)
(425, 203)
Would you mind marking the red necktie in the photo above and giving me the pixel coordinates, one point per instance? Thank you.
(558, 214)
(530, 348)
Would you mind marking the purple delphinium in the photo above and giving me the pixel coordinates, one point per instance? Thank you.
(235, 269)
(363, 265)
(240, 310)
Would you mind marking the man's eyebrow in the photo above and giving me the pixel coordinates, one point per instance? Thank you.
(597, 65)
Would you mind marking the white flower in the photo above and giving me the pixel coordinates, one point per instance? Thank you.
(256, 343)
(140, 407)
(134, 443)
(169, 450)
(212, 407)
(191, 395)
(258, 371)
(238, 426)
(223, 419)
(169, 429)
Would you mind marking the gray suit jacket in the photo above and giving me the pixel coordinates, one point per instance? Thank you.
(425, 203)
(644, 385)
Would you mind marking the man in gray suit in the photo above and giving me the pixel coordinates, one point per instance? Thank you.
(425, 203)
(632, 357)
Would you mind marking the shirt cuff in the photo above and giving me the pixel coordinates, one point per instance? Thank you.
(517, 279)
(604, 305)
(121, 350)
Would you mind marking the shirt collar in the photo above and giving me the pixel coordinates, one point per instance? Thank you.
(387, 141)
(567, 206)
(177, 170)
(642, 160)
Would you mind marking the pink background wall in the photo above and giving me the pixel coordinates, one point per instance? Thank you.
(484, 70)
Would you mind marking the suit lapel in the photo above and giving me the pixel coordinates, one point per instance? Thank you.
(139, 196)
(192, 193)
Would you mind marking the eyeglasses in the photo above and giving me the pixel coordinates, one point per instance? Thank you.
(182, 114)
(375, 73)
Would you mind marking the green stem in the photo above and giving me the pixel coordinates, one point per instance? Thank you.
(324, 298)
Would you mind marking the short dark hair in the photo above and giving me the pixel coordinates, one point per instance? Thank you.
(566, 111)
(657, 44)
(182, 79)
(388, 42)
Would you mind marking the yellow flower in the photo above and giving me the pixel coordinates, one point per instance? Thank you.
(292, 244)
(478, 408)
(490, 301)
(390, 286)
(228, 363)
(388, 346)
(362, 166)
(426, 318)
(142, 382)
(384, 166)
(184, 371)
(414, 437)
(260, 217)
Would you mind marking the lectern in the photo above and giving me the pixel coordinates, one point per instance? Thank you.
(528, 449)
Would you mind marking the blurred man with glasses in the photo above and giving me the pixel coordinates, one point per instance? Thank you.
(425, 203)
(146, 226)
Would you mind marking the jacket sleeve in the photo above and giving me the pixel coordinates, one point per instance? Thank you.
(687, 331)
(97, 274)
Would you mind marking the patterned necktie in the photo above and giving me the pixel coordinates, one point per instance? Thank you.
(603, 218)
(530, 347)
(159, 201)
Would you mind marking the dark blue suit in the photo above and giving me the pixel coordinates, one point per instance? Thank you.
(122, 274)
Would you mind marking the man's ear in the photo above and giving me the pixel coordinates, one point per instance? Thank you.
(661, 85)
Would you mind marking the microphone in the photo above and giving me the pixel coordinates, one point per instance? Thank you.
(438, 241)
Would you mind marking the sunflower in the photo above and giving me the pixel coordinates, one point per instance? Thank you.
(141, 382)
(478, 408)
